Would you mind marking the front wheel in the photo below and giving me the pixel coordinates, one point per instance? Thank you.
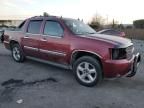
(17, 53)
(87, 71)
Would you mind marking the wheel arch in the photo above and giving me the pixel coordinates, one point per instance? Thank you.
(79, 53)
(12, 42)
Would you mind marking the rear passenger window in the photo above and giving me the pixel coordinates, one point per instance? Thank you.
(34, 27)
(53, 28)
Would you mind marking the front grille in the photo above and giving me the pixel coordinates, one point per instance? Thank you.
(130, 51)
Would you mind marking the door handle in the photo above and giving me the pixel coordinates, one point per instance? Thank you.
(43, 39)
(26, 37)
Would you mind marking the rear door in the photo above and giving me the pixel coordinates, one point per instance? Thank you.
(31, 39)
(54, 45)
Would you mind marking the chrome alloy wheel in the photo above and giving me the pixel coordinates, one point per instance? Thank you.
(16, 53)
(86, 72)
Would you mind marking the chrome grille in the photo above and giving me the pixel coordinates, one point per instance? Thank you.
(130, 51)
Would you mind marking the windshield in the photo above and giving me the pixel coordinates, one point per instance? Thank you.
(78, 27)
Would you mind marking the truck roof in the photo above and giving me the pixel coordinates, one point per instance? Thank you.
(48, 17)
(45, 17)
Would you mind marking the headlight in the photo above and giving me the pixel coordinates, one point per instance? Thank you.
(118, 53)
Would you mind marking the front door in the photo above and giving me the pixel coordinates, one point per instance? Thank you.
(53, 45)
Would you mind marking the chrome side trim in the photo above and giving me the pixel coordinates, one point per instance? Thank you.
(52, 36)
(31, 34)
(6, 42)
(86, 51)
(52, 52)
(31, 48)
(65, 66)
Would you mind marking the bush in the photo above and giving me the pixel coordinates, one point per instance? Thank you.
(139, 23)
(95, 25)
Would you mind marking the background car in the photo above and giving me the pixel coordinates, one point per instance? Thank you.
(112, 32)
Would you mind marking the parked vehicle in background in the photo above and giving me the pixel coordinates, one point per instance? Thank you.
(3, 28)
(112, 32)
(74, 45)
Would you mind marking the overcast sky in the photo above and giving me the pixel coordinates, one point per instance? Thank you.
(124, 11)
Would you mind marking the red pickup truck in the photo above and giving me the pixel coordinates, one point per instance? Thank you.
(71, 44)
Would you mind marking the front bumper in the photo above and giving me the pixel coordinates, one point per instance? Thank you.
(135, 65)
(7, 45)
(117, 68)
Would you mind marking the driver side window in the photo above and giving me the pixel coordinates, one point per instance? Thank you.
(53, 28)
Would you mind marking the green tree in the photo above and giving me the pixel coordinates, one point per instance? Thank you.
(45, 14)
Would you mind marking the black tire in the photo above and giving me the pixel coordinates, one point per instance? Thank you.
(2, 38)
(21, 57)
(92, 63)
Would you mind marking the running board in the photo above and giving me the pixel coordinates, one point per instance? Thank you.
(65, 66)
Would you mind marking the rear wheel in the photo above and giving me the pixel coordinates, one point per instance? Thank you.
(17, 53)
(87, 71)
(2, 38)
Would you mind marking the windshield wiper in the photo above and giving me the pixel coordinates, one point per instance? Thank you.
(93, 33)
(82, 33)
(90, 32)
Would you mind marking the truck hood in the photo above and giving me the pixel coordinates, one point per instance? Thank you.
(119, 42)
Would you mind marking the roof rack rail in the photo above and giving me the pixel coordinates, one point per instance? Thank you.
(44, 16)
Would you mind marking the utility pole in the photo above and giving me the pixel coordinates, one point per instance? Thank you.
(107, 19)
(113, 23)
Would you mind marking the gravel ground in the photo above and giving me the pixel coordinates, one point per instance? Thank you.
(36, 85)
